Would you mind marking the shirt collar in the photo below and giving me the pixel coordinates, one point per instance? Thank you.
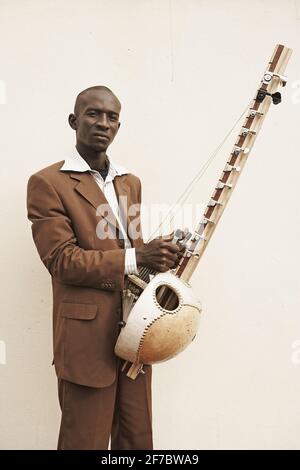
(75, 162)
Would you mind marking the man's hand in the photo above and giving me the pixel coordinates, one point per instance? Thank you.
(160, 254)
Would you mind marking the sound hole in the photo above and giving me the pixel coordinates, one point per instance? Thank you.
(167, 298)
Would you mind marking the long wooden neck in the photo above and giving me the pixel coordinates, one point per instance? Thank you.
(272, 80)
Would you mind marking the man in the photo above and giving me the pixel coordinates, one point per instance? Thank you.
(81, 236)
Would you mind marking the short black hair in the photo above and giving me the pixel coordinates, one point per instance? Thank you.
(87, 90)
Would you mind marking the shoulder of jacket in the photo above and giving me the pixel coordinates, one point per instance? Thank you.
(50, 170)
(133, 179)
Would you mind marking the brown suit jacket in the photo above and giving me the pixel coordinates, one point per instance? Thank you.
(87, 272)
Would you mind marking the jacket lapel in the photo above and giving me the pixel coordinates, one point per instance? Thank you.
(88, 188)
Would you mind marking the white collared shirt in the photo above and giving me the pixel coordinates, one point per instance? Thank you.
(76, 163)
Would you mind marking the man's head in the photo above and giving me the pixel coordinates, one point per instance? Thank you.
(96, 118)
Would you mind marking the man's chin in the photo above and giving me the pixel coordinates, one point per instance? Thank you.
(99, 147)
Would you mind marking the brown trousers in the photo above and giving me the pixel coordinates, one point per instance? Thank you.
(122, 411)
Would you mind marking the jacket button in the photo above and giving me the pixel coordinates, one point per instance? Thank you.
(107, 285)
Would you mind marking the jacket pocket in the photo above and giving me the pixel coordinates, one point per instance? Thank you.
(78, 311)
(79, 342)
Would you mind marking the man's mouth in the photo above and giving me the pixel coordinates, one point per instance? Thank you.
(101, 137)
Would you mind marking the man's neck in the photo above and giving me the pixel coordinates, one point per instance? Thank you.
(96, 160)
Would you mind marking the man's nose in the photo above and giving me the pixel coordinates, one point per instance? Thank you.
(103, 121)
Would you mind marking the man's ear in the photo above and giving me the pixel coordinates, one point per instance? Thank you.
(72, 121)
(119, 125)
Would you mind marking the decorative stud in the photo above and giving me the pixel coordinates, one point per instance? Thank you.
(222, 185)
(236, 150)
(197, 236)
(213, 203)
(205, 221)
(229, 167)
(269, 75)
(254, 113)
(246, 131)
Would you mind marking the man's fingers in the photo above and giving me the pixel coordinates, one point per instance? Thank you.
(168, 252)
(170, 246)
(164, 268)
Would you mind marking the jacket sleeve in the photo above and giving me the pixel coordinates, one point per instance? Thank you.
(57, 245)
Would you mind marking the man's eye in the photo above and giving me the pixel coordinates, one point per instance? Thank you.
(91, 113)
(113, 118)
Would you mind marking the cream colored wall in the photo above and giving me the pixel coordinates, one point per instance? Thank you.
(184, 70)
